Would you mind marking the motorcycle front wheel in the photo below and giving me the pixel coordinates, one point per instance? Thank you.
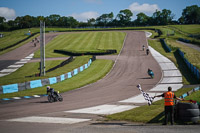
(50, 98)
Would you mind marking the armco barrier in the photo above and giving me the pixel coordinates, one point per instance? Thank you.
(192, 68)
(166, 47)
(42, 82)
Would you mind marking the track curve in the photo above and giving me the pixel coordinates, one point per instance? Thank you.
(130, 69)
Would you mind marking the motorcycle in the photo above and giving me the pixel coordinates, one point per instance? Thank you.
(54, 97)
(150, 73)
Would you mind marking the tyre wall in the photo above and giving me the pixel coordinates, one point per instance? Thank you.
(188, 112)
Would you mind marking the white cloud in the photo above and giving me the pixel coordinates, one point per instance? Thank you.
(85, 16)
(7, 13)
(145, 8)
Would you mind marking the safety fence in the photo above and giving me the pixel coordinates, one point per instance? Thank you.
(189, 92)
(192, 68)
(166, 47)
(42, 82)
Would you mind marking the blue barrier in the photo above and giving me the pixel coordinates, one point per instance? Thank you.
(75, 71)
(35, 83)
(81, 69)
(197, 88)
(86, 66)
(38, 83)
(62, 77)
(192, 68)
(166, 47)
(185, 95)
(53, 80)
(10, 88)
(69, 75)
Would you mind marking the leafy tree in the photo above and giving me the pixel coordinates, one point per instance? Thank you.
(190, 15)
(124, 17)
(91, 22)
(2, 19)
(52, 20)
(142, 19)
(104, 19)
(163, 17)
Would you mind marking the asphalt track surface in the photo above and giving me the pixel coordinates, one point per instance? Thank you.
(129, 70)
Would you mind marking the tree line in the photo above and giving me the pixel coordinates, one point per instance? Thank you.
(190, 15)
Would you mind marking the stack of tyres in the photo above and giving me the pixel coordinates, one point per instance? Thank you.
(188, 112)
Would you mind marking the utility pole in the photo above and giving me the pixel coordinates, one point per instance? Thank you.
(42, 48)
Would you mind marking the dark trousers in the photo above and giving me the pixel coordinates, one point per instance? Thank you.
(169, 110)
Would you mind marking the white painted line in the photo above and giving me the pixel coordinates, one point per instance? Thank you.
(16, 98)
(140, 98)
(160, 59)
(104, 109)
(39, 119)
(1, 75)
(36, 95)
(25, 59)
(21, 62)
(8, 70)
(164, 87)
(15, 66)
(168, 66)
(148, 34)
(31, 54)
(28, 57)
(171, 80)
(172, 73)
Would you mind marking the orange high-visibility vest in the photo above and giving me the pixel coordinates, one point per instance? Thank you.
(169, 96)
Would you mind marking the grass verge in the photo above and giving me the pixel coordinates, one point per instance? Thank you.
(85, 42)
(28, 69)
(97, 70)
(146, 114)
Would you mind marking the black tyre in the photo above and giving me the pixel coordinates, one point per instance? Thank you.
(60, 98)
(187, 106)
(190, 119)
(50, 98)
(189, 113)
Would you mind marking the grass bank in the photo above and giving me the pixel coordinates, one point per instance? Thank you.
(29, 69)
(97, 70)
(84, 42)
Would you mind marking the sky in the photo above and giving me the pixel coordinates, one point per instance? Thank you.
(82, 10)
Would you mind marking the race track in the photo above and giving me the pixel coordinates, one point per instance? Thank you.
(129, 70)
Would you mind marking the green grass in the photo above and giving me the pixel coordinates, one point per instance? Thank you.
(190, 29)
(191, 54)
(97, 70)
(194, 96)
(32, 68)
(145, 114)
(84, 41)
(188, 78)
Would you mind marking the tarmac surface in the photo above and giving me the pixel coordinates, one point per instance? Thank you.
(130, 69)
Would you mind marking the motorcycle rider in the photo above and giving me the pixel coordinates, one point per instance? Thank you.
(147, 51)
(51, 90)
(150, 72)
